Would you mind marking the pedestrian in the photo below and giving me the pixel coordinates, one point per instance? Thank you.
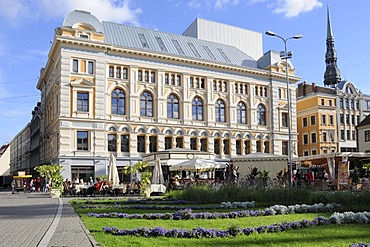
(13, 186)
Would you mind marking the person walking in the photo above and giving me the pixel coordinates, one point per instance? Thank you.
(13, 186)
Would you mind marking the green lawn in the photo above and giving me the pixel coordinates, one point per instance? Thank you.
(333, 235)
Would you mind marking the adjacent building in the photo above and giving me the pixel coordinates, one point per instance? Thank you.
(328, 115)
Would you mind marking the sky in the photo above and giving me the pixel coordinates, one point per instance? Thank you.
(27, 30)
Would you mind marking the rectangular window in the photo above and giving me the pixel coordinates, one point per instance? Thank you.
(324, 138)
(348, 134)
(284, 119)
(152, 77)
(168, 142)
(146, 76)
(179, 142)
(353, 134)
(313, 152)
(217, 146)
(305, 122)
(82, 140)
(166, 80)
(140, 75)
(322, 102)
(178, 80)
(279, 93)
(227, 146)
(284, 148)
(331, 120)
(75, 66)
(313, 120)
(125, 143)
(353, 119)
(194, 50)
(143, 41)
(323, 119)
(178, 47)
(125, 73)
(367, 136)
(266, 147)
(305, 153)
(347, 103)
(112, 143)
(152, 144)
(203, 145)
(238, 147)
(90, 67)
(313, 137)
(259, 146)
(83, 101)
(330, 102)
(141, 144)
(223, 55)
(172, 79)
(341, 103)
(342, 118)
(347, 118)
(193, 143)
(342, 134)
(210, 54)
(247, 147)
(111, 71)
(118, 72)
(305, 139)
(161, 44)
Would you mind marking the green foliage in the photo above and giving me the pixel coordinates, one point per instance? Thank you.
(52, 172)
(145, 175)
(266, 197)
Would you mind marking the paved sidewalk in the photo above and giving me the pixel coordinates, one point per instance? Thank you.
(35, 219)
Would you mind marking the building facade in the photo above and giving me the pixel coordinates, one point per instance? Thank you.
(317, 120)
(111, 88)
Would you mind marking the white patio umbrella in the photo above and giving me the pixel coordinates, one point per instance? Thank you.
(113, 172)
(197, 165)
(157, 177)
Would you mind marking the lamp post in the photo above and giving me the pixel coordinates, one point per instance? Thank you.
(285, 55)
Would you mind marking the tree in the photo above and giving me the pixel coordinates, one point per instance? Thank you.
(145, 175)
(52, 172)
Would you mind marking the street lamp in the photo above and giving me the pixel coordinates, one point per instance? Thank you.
(285, 55)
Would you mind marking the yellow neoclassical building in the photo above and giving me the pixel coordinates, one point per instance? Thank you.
(112, 88)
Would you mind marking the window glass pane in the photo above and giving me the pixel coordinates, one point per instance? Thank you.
(90, 68)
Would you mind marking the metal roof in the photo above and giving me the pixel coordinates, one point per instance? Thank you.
(174, 44)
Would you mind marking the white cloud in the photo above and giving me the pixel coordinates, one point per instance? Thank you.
(208, 4)
(108, 10)
(292, 8)
(10, 9)
(220, 4)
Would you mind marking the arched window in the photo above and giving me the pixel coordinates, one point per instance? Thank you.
(261, 115)
(173, 106)
(146, 104)
(220, 111)
(118, 102)
(197, 109)
(242, 113)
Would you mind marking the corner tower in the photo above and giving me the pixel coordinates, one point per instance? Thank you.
(332, 73)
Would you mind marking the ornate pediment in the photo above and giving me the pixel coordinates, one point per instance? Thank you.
(82, 83)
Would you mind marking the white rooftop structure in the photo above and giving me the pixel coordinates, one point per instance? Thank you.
(250, 42)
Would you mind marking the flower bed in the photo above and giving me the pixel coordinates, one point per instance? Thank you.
(345, 218)
(187, 214)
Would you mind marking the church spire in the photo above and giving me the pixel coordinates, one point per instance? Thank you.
(332, 73)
